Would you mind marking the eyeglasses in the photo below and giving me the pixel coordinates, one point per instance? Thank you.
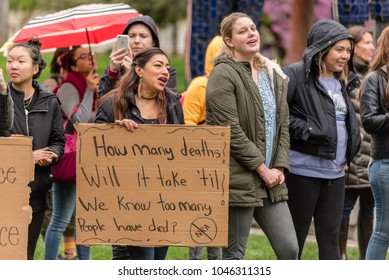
(84, 56)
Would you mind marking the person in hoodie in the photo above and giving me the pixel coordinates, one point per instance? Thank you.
(193, 106)
(324, 134)
(37, 113)
(143, 33)
(193, 100)
(6, 108)
(247, 92)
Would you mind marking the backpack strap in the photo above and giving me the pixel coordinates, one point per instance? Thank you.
(65, 124)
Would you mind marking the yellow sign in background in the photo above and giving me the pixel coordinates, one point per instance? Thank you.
(159, 185)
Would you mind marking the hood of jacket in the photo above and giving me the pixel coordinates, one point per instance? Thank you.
(213, 48)
(225, 56)
(322, 35)
(149, 22)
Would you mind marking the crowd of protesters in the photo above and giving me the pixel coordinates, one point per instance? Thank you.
(296, 132)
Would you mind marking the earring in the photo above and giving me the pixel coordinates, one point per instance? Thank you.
(140, 80)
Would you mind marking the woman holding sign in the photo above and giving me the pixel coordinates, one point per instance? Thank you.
(141, 97)
(247, 92)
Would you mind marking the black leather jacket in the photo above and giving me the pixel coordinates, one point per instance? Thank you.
(375, 115)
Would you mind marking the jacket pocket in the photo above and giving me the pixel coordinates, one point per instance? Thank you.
(317, 135)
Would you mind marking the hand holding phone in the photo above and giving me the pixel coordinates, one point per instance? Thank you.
(122, 42)
(118, 57)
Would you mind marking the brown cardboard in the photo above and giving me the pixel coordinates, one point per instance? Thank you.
(16, 171)
(175, 193)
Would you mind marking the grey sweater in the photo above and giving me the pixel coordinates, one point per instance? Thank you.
(6, 114)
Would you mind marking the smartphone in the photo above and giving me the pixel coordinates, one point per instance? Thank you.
(122, 42)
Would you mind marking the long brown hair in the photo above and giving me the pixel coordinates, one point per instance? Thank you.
(129, 82)
(358, 31)
(381, 58)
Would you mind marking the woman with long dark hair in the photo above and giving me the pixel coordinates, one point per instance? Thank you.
(141, 97)
(375, 111)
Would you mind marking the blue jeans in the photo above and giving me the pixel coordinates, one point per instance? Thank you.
(64, 204)
(379, 180)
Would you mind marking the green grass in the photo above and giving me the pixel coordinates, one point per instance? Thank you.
(258, 248)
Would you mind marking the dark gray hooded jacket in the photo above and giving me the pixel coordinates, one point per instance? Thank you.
(312, 112)
(107, 83)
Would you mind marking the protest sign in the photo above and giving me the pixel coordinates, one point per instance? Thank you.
(16, 172)
(159, 185)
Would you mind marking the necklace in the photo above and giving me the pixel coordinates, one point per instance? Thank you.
(27, 102)
(147, 98)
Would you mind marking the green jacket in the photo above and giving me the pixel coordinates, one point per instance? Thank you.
(233, 99)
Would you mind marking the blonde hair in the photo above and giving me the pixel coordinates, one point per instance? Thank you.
(381, 58)
(226, 28)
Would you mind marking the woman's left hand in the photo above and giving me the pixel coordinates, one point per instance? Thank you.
(44, 157)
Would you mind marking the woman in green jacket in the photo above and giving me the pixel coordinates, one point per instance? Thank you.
(247, 92)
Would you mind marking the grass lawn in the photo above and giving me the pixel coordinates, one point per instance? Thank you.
(258, 248)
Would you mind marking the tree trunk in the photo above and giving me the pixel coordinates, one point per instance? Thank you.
(4, 26)
(175, 38)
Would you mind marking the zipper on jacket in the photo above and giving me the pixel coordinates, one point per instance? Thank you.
(26, 112)
(29, 112)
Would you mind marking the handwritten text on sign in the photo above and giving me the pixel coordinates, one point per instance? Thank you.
(160, 185)
(16, 172)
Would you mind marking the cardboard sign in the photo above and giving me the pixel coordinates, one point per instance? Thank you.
(159, 185)
(16, 171)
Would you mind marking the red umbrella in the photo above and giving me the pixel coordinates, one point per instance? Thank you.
(85, 24)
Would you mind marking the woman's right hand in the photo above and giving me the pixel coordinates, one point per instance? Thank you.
(129, 124)
(92, 80)
(118, 58)
(269, 176)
